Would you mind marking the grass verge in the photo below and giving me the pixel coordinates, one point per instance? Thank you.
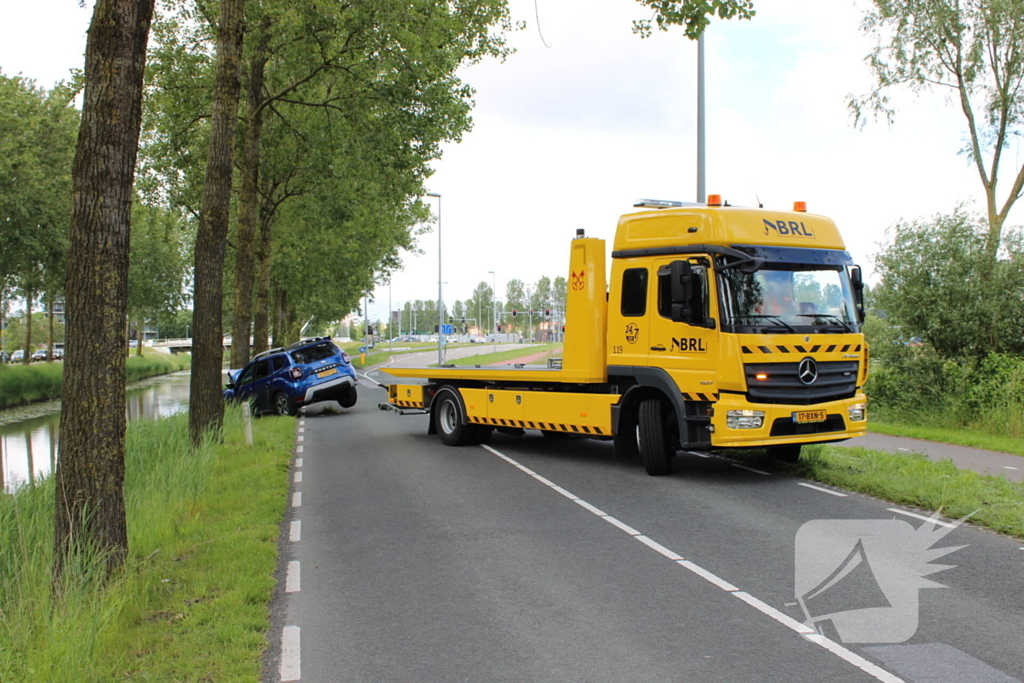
(960, 437)
(514, 354)
(191, 604)
(20, 384)
(909, 479)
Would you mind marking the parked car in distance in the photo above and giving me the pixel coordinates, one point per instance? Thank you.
(281, 381)
(40, 354)
(18, 356)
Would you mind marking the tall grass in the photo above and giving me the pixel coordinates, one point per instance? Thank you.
(191, 600)
(43, 381)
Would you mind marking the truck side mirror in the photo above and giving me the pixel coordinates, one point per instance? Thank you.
(680, 277)
(857, 280)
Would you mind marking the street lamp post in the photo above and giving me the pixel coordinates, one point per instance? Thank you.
(494, 309)
(440, 313)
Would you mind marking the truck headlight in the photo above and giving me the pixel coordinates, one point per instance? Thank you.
(744, 419)
(858, 412)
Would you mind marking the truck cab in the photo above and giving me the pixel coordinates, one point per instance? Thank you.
(743, 323)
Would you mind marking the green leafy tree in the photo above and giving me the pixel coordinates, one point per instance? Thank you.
(937, 283)
(693, 15)
(480, 306)
(973, 51)
(515, 300)
(158, 266)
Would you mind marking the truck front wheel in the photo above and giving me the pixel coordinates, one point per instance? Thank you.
(449, 421)
(652, 440)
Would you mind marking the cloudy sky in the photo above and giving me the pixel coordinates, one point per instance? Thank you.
(569, 133)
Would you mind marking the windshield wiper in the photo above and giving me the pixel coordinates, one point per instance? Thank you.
(828, 316)
(772, 318)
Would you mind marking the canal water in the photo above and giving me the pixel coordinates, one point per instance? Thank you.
(29, 434)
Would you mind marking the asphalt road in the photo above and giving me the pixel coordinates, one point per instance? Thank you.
(536, 560)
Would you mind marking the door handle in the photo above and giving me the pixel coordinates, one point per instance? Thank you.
(657, 348)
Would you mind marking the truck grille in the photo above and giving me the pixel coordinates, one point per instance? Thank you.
(835, 380)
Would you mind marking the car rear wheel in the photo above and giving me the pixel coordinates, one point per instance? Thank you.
(349, 398)
(283, 405)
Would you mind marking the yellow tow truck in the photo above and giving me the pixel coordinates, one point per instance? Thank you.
(723, 327)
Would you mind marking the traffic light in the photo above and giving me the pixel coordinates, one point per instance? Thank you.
(547, 312)
(514, 312)
(499, 327)
(369, 329)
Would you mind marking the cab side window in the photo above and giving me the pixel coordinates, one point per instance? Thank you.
(698, 296)
(634, 292)
(279, 362)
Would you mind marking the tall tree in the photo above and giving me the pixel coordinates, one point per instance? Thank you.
(692, 15)
(206, 404)
(89, 498)
(971, 49)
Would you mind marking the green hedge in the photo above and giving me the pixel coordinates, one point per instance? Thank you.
(42, 381)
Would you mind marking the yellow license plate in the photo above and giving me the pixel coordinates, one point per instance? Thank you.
(334, 371)
(810, 416)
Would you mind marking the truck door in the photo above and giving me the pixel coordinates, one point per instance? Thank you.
(628, 315)
(688, 351)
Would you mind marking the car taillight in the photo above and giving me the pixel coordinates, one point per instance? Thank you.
(345, 357)
(296, 373)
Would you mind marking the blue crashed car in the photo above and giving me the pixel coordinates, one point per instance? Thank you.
(281, 381)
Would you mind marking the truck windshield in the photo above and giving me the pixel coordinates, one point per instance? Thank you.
(789, 298)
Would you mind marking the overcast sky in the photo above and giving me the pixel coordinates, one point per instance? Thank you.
(568, 136)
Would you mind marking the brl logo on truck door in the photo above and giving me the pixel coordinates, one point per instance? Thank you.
(690, 344)
(787, 228)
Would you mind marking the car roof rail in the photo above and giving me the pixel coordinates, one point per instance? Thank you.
(267, 353)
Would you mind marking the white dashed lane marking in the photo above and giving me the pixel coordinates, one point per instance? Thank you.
(297, 499)
(823, 490)
(751, 469)
(298, 477)
(787, 621)
(295, 531)
(298, 462)
(293, 580)
(291, 669)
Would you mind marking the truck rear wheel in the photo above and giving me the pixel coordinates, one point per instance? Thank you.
(448, 418)
(652, 440)
(787, 453)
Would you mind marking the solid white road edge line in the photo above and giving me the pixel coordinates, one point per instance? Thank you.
(922, 517)
(293, 579)
(295, 531)
(818, 488)
(751, 469)
(291, 669)
(766, 609)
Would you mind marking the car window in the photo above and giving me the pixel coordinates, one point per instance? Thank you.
(311, 354)
(247, 376)
(262, 368)
(279, 362)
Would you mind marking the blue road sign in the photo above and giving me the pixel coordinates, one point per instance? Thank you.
(447, 329)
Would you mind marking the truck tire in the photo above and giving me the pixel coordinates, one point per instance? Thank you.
(653, 442)
(787, 453)
(448, 418)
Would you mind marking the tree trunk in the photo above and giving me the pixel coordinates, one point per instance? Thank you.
(27, 358)
(248, 208)
(89, 498)
(261, 323)
(140, 334)
(206, 403)
(280, 301)
(49, 327)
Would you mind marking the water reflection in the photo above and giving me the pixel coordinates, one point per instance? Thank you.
(29, 434)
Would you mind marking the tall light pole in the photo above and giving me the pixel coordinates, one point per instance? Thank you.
(440, 313)
(701, 187)
(494, 309)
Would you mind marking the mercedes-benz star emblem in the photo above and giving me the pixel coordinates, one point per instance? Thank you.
(807, 371)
